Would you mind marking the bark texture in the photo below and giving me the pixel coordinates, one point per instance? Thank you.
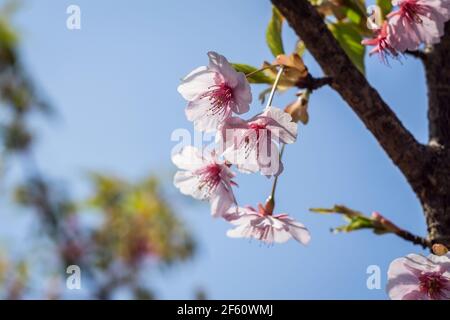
(426, 167)
(436, 196)
(437, 68)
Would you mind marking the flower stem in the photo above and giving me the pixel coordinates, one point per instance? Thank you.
(262, 69)
(274, 87)
(270, 202)
(275, 180)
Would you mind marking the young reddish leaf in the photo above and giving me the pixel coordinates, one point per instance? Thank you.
(299, 108)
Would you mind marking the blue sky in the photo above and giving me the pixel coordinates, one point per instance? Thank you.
(114, 85)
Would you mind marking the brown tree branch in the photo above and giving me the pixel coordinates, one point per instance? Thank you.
(436, 195)
(312, 83)
(437, 69)
(408, 236)
(427, 168)
(380, 120)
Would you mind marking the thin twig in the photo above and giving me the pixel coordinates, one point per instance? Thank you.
(274, 87)
(312, 83)
(275, 181)
(262, 69)
(416, 54)
(408, 236)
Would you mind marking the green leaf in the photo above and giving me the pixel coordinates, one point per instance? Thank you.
(356, 223)
(357, 6)
(385, 6)
(353, 16)
(357, 220)
(273, 33)
(255, 77)
(350, 40)
(338, 209)
(8, 38)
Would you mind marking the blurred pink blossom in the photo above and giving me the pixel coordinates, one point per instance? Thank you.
(416, 277)
(416, 22)
(382, 46)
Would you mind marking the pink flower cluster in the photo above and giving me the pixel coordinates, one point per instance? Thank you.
(216, 94)
(413, 23)
(416, 277)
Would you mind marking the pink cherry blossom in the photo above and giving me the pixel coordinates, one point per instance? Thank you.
(416, 22)
(205, 177)
(252, 145)
(214, 92)
(382, 47)
(262, 225)
(416, 277)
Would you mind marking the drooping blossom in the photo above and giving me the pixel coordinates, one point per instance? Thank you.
(262, 225)
(381, 44)
(205, 177)
(214, 92)
(416, 22)
(252, 145)
(416, 277)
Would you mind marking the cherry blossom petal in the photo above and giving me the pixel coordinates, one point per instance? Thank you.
(252, 145)
(400, 280)
(214, 92)
(194, 84)
(188, 184)
(265, 227)
(221, 201)
(281, 125)
(219, 63)
(242, 95)
(416, 22)
(297, 230)
(189, 158)
(205, 177)
(199, 112)
(416, 277)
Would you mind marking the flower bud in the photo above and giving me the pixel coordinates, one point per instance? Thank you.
(269, 206)
(299, 108)
(439, 249)
(385, 223)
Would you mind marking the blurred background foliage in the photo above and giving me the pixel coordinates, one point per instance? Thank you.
(136, 229)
